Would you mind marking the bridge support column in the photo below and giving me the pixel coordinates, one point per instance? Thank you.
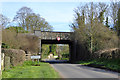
(70, 52)
(40, 47)
(73, 52)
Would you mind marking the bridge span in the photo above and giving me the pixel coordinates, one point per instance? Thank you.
(50, 37)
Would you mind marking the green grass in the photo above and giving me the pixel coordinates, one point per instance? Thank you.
(64, 58)
(113, 64)
(27, 70)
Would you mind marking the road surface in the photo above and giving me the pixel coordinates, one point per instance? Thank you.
(67, 70)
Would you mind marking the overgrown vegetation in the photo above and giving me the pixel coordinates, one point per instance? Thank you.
(92, 27)
(22, 41)
(96, 28)
(28, 70)
(62, 51)
(31, 21)
(4, 45)
(20, 36)
(45, 51)
(111, 64)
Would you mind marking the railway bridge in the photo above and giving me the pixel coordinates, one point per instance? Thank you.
(50, 37)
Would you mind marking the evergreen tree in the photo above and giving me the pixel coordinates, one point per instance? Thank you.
(106, 22)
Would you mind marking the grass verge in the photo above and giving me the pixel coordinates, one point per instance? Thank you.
(111, 64)
(31, 70)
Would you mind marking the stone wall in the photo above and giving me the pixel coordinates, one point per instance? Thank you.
(16, 56)
(113, 53)
(82, 53)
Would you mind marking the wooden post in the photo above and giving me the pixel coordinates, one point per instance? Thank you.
(7, 62)
(0, 63)
(38, 61)
(70, 52)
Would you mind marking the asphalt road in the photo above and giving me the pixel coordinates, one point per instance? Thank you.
(67, 70)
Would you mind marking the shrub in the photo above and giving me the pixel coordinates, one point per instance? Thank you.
(65, 55)
(4, 45)
(113, 53)
(16, 56)
(24, 41)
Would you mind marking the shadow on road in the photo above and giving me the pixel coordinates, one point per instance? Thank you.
(78, 66)
(56, 61)
(94, 69)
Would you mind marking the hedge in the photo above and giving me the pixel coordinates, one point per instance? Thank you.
(16, 56)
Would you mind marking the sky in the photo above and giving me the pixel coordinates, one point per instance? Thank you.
(58, 13)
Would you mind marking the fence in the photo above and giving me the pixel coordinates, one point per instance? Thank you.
(27, 57)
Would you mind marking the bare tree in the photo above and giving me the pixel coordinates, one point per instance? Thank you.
(118, 20)
(4, 21)
(103, 8)
(21, 15)
(35, 22)
(114, 11)
(31, 21)
(90, 30)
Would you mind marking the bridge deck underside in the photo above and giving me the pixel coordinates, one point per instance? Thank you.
(56, 42)
(49, 35)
